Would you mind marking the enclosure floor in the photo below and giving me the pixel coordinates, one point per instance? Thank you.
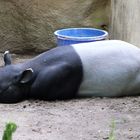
(79, 119)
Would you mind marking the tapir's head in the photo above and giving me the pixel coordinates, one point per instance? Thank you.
(14, 81)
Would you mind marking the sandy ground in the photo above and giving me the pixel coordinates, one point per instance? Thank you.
(78, 119)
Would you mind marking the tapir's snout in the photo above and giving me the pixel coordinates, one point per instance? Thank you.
(11, 94)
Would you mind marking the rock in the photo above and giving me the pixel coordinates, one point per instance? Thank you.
(27, 26)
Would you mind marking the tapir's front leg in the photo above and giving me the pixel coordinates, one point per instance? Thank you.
(59, 81)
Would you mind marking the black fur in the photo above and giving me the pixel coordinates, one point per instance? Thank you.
(58, 74)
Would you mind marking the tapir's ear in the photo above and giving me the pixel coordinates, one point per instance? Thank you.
(7, 58)
(26, 76)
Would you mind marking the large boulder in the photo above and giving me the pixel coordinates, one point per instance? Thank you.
(27, 26)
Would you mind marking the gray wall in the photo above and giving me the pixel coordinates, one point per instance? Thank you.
(125, 21)
(27, 26)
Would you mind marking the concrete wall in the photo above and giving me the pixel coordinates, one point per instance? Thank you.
(27, 26)
(125, 21)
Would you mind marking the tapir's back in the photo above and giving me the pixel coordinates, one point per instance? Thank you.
(111, 68)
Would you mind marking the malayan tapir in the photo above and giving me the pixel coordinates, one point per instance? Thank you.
(109, 68)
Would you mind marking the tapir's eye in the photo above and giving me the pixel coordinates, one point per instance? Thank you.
(16, 79)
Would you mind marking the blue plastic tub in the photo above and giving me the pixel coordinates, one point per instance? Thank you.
(79, 35)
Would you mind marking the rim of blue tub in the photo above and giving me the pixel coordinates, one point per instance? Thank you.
(67, 37)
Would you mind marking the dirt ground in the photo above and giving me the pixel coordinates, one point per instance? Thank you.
(78, 119)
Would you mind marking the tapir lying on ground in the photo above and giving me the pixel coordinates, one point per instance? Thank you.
(108, 68)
